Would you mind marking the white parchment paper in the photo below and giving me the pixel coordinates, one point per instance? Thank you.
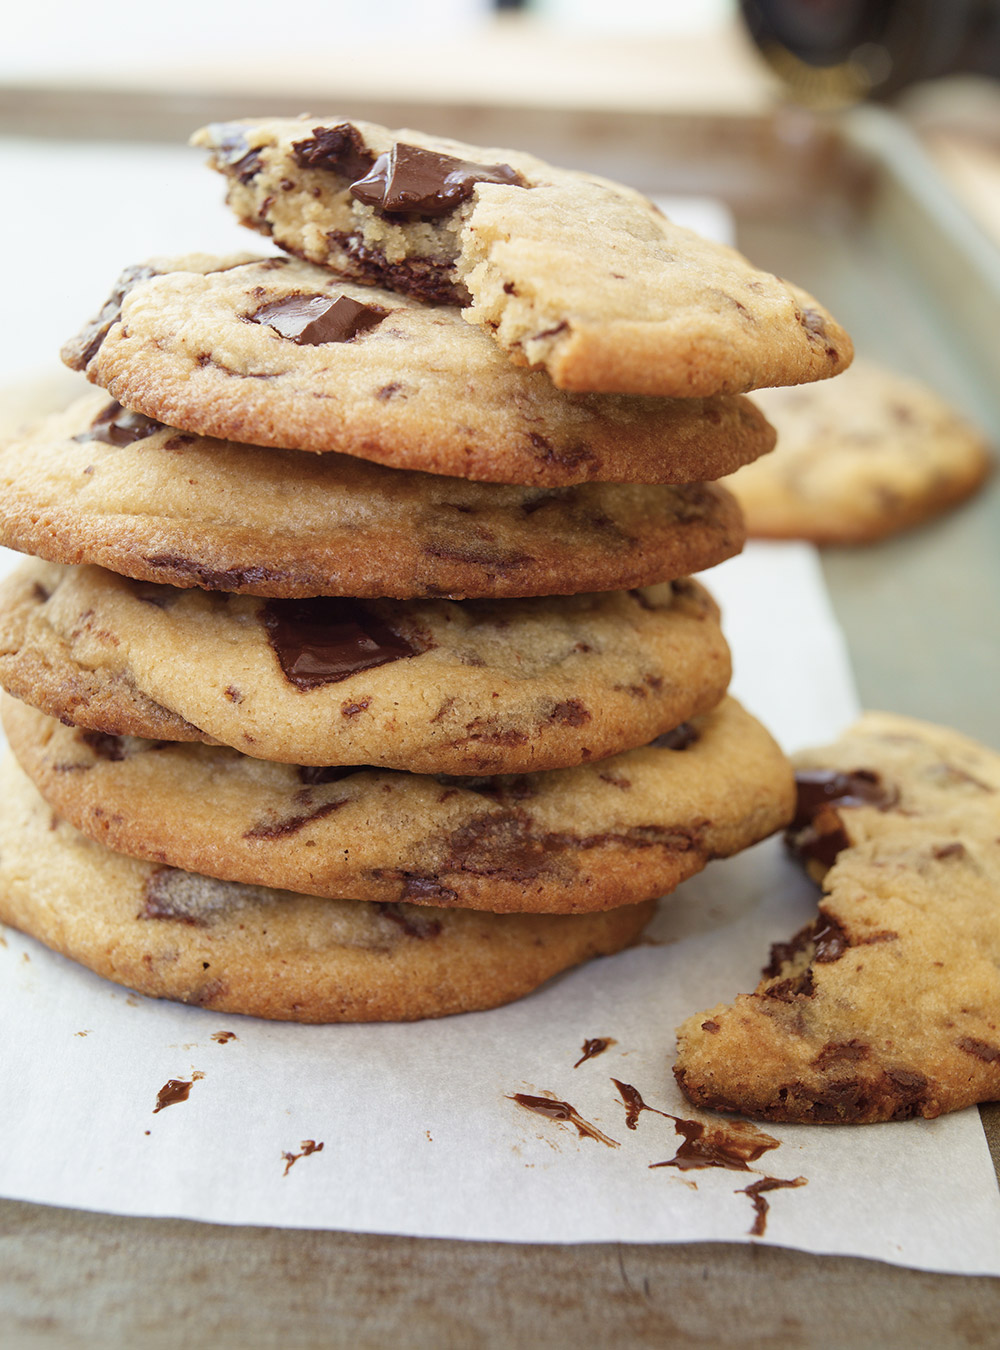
(418, 1130)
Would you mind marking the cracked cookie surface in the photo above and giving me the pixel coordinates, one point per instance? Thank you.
(97, 484)
(574, 840)
(573, 273)
(231, 948)
(430, 686)
(251, 350)
(887, 1006)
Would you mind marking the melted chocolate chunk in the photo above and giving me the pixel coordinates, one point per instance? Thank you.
(593, 1046)
(311, 320)
(677, 739)
(117, 426)
(81, 350)
(338, 149)
(326, 639)
(427, 279)
(817, 831)
(413, 925)
(825, 787)
(411, 181)
(104, 745)
(332, 773)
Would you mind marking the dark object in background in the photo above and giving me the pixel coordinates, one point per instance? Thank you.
(841, 51)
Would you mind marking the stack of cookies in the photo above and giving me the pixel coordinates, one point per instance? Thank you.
(359, 672)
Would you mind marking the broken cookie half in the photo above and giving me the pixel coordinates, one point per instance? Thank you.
(887, 1006)
(572, 273)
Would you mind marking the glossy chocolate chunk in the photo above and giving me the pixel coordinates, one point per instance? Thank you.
(81, 350)
(327, 638)
(311, 320)
(117, 426)
(816, 788)
(817, 832)
(338, 149)
(409, 180)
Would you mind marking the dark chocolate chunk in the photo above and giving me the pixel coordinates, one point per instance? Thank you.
(817, 831)
(825, 787)
(338, 149)
(81, 350)
(311, 320)
(677, 739)
(411, 181)
(116, 425)
(327, 638)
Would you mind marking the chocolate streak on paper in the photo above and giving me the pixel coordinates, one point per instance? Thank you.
(553, 1109)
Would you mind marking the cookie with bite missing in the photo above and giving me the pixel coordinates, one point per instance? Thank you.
(574, 840)
(568, 272)
(279, 352)
(99, 484)
(231, 948)
(887, 1005)
(859, 458)
(432, 686)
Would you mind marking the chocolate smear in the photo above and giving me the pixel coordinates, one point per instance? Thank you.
(411, 181)
(325, 639)
(175, 1090)
(307, 1147)
(311, 320)
(553, 1109)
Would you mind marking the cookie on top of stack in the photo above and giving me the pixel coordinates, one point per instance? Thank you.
(408, 724)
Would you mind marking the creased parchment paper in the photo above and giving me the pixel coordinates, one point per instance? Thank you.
(418, 1128)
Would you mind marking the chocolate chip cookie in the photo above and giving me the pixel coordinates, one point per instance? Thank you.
(572, 273)
(887, 1005)
(247, 949)
(432, 686)
(859, 458)
(565, 841)
(251, 350)
(99, 484)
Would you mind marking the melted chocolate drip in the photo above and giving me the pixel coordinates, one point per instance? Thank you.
(755, 1191)
(556, 1110)
(411, 181)
(307, 1146)
(311, 320)
(118, 426)
(327, 638)
(593, 1047)
(732, 1145)
(173, 1091)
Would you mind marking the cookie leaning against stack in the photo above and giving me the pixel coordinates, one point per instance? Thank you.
(448, 665)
